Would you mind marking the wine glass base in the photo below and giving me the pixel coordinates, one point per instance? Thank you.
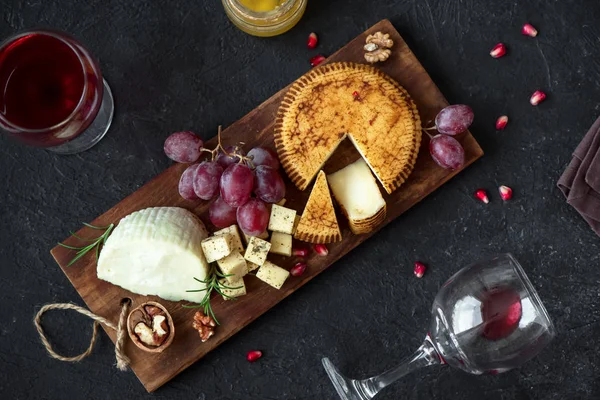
(97, 129)
(347, 389)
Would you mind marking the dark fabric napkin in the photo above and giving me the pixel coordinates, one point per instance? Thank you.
(580, 183)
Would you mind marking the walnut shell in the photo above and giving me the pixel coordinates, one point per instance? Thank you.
(137, 315)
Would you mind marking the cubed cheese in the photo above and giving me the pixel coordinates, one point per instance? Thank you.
(296, 222)
(281, 243)
(237, 288)
(264, 236)
(281, 202)
(252, 266)
(257, 251)
(272, 274)
(216, 247)
(236, 240)
(233, 265)
(282, 219)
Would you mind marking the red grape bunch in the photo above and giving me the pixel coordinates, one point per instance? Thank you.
(230, 178)
(445, 150)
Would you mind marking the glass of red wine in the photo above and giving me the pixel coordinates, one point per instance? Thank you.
(52, 93)
(487, 318)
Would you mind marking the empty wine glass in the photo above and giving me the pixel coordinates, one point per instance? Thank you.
(487, 318)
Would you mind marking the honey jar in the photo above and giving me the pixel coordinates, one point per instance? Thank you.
(265, 17)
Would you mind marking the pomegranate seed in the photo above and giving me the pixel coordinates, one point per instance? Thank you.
(501, 123)
(253, 355)
(498, 51)
(505, 192)
(419, 269)
(321, 249)
(312, 40)
(300, 251)
(529, 30)
(481, 194)
(298, 269)
(316, 60)
(537, 97)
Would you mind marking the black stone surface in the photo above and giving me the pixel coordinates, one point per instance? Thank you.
(182, 65)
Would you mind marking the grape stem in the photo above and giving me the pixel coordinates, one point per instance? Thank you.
(236, 152)
(427, 133)
(212, 152)
(247, 160)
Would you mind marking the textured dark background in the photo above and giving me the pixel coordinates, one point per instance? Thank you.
(182, 65)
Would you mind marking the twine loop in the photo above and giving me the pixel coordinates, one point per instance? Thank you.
(122, 359)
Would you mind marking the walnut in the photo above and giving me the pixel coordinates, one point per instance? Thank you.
(205, 325)
(378, 47)
(151, 327)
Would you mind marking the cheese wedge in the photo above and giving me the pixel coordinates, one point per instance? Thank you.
(318, 223)
(357, 193)
(342, 100)
(156, 251)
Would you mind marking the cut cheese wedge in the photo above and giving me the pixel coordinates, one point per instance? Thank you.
(156, 251)
(357, 193)
(318, 223)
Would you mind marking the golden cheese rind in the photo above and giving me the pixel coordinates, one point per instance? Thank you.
(358, 227)
(320, 110)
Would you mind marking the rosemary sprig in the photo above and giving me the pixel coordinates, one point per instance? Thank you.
(95, 242)
(212, 283)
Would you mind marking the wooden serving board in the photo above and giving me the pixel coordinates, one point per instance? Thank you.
(256, 129)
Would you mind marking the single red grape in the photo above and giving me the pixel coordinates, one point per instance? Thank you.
(186, 183)
(221, 214)
(206, 180)
(268, 184)
(454, 119)
(225, 160)
(183, 147)
(236, 184)
(253, 217)
(264, 156)
(447, 152)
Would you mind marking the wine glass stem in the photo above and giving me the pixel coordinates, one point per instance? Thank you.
(425, 356)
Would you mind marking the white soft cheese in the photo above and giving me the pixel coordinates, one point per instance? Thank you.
(356, 190)
(156, 251)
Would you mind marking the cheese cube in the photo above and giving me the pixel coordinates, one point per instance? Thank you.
(272, 274)
(216, 247)
(234, 265)
(281, 202)
(236, 240)
(238, 288)
(282, 219)
(257, 251)
(281, 243)
(264, 236)
(252, 266)
(296, 222)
